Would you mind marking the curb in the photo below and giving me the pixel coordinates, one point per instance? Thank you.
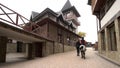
(108, 59)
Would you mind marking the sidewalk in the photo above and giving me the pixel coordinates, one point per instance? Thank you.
(65, 60)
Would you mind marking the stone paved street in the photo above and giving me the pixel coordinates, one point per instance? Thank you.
(64, 60)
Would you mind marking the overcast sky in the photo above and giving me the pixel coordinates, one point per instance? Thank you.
(88, 21)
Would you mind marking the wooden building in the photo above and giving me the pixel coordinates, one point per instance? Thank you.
(59, 27)
(46, 33)
(108, 22)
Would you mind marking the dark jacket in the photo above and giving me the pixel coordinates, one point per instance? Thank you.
(78, 44)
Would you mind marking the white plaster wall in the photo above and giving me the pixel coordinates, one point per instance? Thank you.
(111, 12)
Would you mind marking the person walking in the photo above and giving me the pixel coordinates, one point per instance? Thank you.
(78, 46)
(83, 48)
(83, 41)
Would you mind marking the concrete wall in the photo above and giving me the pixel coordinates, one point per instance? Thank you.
(69, 48)
(110, 17)
(11, 47)
(58, 47)
(109, 54)
(50, 48)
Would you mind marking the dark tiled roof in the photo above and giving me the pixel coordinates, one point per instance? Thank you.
(34, 14)
(47, 10)
(66, 6)
(74, 10)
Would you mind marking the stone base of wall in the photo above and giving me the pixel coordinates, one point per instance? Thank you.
(111, 60)
(11, 47)
(58, 47)
(48, 48)
(112, 56)
(68, 48)
(53, 48)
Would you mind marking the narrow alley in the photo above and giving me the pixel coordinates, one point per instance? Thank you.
(64, 60)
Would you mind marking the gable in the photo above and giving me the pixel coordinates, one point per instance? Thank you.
(43, 13)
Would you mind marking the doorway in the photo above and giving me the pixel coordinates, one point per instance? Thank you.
(38, 49)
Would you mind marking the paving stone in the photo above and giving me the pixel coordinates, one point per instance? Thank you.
(65, 60)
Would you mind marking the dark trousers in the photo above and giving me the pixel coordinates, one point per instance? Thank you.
(78, 51)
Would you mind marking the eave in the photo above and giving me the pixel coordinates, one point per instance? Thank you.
(97, 6)
(49, 20)
(47, 10)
